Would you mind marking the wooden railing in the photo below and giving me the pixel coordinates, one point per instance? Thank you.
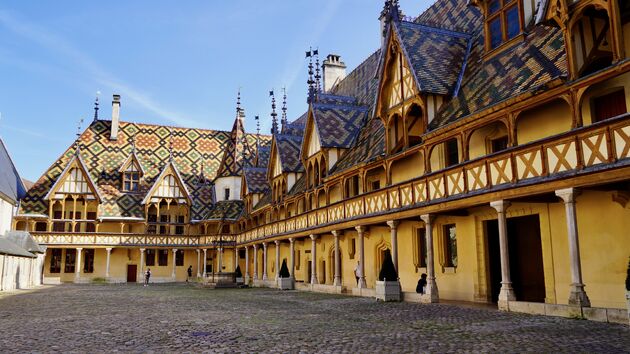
(595, 147)
(115, 239)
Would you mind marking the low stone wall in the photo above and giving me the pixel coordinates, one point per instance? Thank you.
(589, 313)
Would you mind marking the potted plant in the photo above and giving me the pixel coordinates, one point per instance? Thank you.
(285, 282)
(238, 275)
(387, 285)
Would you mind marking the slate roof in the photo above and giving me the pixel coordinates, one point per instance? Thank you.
(289, 152)
(11, 186)
(436, 55)
(256, 179)
(264, 152)
(25, 240)
(299, 186)
(8, 247)
(264, 200)
(338, 120)
(103, 157)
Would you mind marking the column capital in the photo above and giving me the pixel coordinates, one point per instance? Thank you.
(291, 240)
(264, 245)
(198, 251)
(255, 246)
(393, 224)
(568, 195)
(427, 218)
(142, 250)
(79, 249)
(313, 237)
(277, 242)
(108, 249)
(500, 205)
(337, 233)
(361, 229)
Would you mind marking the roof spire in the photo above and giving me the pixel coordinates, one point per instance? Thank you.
(318, 77)
(274, 115)
(284, 109)
(201, 180)
(96, 106)
(238, 102)
(310, 81)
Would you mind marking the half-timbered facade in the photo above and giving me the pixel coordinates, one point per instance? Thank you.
(486, 144)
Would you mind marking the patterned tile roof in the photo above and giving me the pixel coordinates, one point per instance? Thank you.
(455, 15)
(238, 152)
(256, 179)
(264, 200)
(369, 146)
(529, 65)
(289, 152)
(436, 55)
(338, 121)
(264, 152)
(226, 210)
(192, 149)
(299, 186)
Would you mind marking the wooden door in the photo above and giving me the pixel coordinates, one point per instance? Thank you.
(132, 272)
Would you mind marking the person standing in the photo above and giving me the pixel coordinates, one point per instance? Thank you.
(147, 276)
(189, 273)
(357, 272)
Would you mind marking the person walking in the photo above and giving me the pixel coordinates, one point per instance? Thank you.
(147, 276)
(189, 273)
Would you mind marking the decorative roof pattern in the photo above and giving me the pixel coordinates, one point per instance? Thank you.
(289, 152)
(338, 123)
(193, 150)
(454, 15)
(369, 146)
(229, 210)
(436, 56)
(238, 152)
(11, 186)
(256, 179)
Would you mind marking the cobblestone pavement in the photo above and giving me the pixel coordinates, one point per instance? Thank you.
(184, 318)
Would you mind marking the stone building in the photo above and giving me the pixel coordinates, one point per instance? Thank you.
(486, 143)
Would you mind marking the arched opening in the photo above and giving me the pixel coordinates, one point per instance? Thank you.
(606, 99)
(545, 120)
(352, 186)
(445, 154)
(487, 140)
(323, 171)
(375, 178)
(395, 134)
(321, 198)
(406, 168)
(316, 171)
(413, 121)
(334, 193)
(591, 41)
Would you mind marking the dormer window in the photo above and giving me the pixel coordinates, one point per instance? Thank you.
(131, 179)
(503, 22)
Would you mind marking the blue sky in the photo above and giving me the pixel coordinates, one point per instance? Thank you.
(178, 65)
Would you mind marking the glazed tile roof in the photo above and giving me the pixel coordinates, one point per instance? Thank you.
(299, 186)
(238, 152)
(338, 120)
(11, 186)
(256, 179)
(436, 56)
(225, 210)
(264, 152)
(192, 149)
(289, 152)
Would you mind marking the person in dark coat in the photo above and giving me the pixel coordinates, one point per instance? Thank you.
(189, 273)
(422, 283)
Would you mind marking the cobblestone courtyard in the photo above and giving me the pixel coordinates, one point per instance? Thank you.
(176, 318)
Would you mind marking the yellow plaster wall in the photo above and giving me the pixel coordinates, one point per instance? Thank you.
(545, 120)
(479, 139)
(407, 168)
(602, 89)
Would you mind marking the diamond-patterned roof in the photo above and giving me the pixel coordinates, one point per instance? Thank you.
(289, 152)
(338, 122)
(256, 179)
(229, 210)
(103, 157)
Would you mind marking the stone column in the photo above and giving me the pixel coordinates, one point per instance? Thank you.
(255, 262)
(507, 292)
(174, 272)
(578, 295)
(277, 259)
(264, 265)
(235, 258)
(393, 227)
(246, 264)
(431, 290)
(292, 257)
(77, 265)
(141, 277)
(198, 263)
(205, 261)
(361, 231)
(337, 279)
(220, 260)
(313, 259)
(109, 252)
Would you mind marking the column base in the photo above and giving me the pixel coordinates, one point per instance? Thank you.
(578, 296)
(431, 294)
(362, 284)
(337, 281)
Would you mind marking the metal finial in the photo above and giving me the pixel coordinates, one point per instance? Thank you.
(78, 145)
(96, 106)
(310, 81)
(238, 102)
(284, 108)
(274, 115)
(317, 75)
(170, 146)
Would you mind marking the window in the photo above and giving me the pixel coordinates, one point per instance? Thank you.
(451, 153)
(422, 247)
(88, 261)
(40, 226)
(71, 256)
(226, 194)
(55, 260)
(58, 226)
(352, 186)
(150, 260)
(241, 254)
(90, 227)
(131, 181)
(498, 144)
(162, 258)
(297, 260)
(502, 22)
(179, 258)
(450, 246)
(609, 105)
(353, 247)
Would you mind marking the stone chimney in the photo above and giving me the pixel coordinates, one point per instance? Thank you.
(115, 117)
(334, 71)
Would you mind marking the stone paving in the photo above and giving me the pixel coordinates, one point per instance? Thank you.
(184, 318)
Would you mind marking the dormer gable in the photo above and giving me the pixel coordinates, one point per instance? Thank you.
(74, 180)
(169, 185)
(131, 171)
(311, 144)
